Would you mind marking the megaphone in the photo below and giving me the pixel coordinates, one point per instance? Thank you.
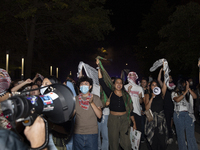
(57, 104)
(156, 91)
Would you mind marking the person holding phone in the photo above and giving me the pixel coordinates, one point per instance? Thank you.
(184, 115)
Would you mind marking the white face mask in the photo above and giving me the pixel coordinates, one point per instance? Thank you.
(43, 90)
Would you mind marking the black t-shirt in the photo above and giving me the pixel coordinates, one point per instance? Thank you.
(116, 103)
(157, 104)
(168, 103)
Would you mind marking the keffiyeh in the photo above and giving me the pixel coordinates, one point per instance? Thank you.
(85, 104)
(159, 63)
(132, 77)
(4, 82)
(91, 73)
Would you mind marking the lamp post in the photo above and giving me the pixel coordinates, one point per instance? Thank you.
(57, 72)
(50, 70)
(7, 60)
(22, 71)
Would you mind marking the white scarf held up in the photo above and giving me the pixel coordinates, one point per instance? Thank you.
(91, 73)
(159, 63)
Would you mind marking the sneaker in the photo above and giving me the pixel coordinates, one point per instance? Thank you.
(169, 141)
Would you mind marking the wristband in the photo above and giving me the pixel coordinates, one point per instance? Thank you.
(97, 68)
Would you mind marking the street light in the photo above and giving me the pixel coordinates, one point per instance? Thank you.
(7, 60)
(22, 71)
(57, 72)
(50, 70)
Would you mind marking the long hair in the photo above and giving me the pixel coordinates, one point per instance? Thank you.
(180, 88)
(123, 89)
(53, 79)
(151, 84)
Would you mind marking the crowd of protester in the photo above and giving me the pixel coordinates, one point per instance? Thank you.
(103, 121)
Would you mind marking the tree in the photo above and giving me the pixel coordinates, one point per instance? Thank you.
(149, 37)
(42, 22)
(181, 39)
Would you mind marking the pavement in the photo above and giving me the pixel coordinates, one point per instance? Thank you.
(174, 146)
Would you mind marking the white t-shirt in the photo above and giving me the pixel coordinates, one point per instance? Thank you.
(134, 93)
(181, 106)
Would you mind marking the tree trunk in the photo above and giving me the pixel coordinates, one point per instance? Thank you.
(28, 61)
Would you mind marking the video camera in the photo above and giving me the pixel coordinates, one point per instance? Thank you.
(57, 104)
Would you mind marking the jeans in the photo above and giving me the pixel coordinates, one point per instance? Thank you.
(85, 141)
(184, 124)
(51, 145)
(69, 145)
(103, 132)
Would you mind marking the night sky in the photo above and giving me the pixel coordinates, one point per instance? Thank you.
(126, 19)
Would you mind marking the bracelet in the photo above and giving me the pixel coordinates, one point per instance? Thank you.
(97, 68)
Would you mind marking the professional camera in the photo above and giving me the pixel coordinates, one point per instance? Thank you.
(57, 104)
(156, 90)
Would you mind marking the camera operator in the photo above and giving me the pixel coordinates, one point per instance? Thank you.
(34, 133)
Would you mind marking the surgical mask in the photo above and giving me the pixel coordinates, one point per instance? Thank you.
(84, 89)
(43, 90)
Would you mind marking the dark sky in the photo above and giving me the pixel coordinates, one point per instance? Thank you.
(126, 19)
